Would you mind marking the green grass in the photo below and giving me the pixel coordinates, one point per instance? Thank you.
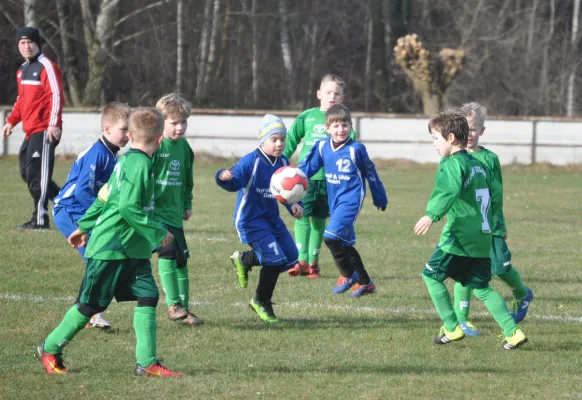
(327, 347)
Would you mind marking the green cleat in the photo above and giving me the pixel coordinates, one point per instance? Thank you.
(241, 271)
(264, 311)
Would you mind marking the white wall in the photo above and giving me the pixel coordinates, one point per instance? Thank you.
(385, 137)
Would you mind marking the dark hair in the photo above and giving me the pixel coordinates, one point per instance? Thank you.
(338, 113)
(450, 121)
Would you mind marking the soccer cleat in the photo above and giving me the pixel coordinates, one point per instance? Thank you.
(53, 363)
(445, 337)
(469, 329)
(514, 341)
(343, 283)
(264, 311)
(177, 311)
(241, 271)
(34, 227)
(362, 290)
(191, 320)
(519, 307)
(97, 321)
(301, 268)
(155, 370)
(313, 271)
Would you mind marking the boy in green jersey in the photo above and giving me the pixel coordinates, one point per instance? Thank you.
(123, 232)
(172, 165)
(468, 195)
(309, 127)
(500, 254)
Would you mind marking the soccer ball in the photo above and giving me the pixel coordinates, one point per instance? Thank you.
(288, 185)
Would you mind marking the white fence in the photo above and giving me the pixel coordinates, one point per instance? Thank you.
(232, 133)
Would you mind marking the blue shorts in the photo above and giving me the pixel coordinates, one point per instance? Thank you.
(276, 250)
(342, 227)
(66, 223)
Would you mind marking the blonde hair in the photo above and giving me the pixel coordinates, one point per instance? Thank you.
(146, 125)
(172, 104)
(476, 111)
(333, 78)
(114, 112)
(338, 113)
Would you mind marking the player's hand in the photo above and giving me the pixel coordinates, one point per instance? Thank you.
(297, 211)
(78, 239)
(381, 208)
(53, 133)
(168, 239)
(225, 175)
(423, 225)
(505, 235)
(187, 215)
(7, 129)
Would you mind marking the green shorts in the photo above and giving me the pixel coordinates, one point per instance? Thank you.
(126, 280)
(470, 272)
(500, 256)
(315, 200)
(178, 249)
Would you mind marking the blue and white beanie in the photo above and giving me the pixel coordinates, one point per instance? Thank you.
(271, 125)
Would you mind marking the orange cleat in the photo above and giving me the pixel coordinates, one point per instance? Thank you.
(301, 268)
(155, 370)
(313, 270)
(53, 363)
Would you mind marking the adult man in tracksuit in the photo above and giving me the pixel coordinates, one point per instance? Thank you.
(39, 106)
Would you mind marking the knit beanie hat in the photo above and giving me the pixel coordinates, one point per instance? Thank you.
(271, 125)
(28, 32)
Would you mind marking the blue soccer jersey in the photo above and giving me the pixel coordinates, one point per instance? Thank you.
(347, 167)
(256, 209)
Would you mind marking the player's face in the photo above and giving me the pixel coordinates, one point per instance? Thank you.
(274, 145)
(330, 93)
(117, 133)
(175, 127)
(339, 131)
(475, 132)
(443, 146)
(28, 48)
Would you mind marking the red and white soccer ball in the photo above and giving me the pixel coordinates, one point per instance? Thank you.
(289, 185)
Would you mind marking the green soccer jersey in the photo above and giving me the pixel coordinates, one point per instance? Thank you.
(172, 165)
(491, 161)
(125, 228)
(309, 126)
(466, 193)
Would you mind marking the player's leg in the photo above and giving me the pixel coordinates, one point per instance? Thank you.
(478, 278)
(303, 231)
(137, 283)
(182, 256)
(501, 267)
(168, 271)
(365, 285)
(341, 257)
(438, 268)
(23, 162)
(462, 301)
(319, 215)
(34, 166)
(243, 262)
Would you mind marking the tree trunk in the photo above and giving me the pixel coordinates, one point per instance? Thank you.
(287, 56)
(211, 66)
(314, 54)
(431, 103)
(203, 58)
(255, 62)
(30, 13)
(572, 77)
(368, 67)
(69, 57)
(180, 50)
(240, 32)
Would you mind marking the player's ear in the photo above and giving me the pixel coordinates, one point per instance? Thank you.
(107, 129)
(451, 137)
(482, 131)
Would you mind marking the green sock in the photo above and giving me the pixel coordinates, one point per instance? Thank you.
(316, 238)
(144, 324)
(71, 324)
(302, 233)
(442, 301)
(462, 302)
(513, 280)
(169, 277)
(498, 309)
(184, 286)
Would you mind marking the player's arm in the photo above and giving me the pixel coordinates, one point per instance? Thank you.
(353, 134)
(366, 165)
(294, 136)
(313, 161)
(188, 190)
(496, 193)
(131, 193)
(236, 177)
(447, 188)
(15, 115)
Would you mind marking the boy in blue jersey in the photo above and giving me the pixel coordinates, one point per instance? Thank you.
(347, 165)
(256, 214)
(90, 171)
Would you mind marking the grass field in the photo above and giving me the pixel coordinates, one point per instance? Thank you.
(328, 346)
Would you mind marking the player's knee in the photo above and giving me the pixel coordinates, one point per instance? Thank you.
(181, 264)
(89, 310)
(147, 301)
(335, 247)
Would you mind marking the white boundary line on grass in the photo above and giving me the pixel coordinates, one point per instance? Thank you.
(348, 308)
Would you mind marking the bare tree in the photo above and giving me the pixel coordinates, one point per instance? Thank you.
(30, 13)
(574, 67)
(203, 53)
(180, 50)
(255, 61)
(69, 58)
(287, 55)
